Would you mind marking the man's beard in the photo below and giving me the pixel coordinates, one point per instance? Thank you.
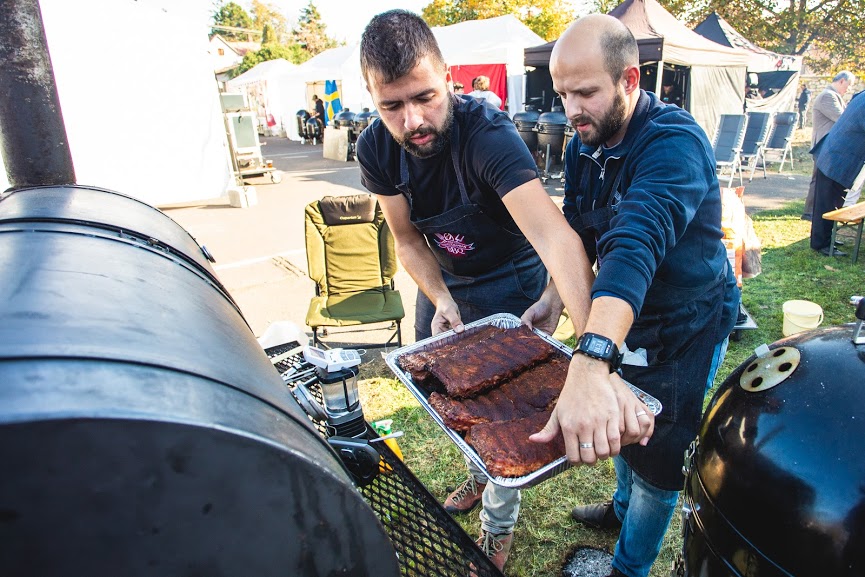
(442, 137)
(607, 127)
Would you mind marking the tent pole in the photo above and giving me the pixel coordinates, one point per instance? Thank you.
(660, 78)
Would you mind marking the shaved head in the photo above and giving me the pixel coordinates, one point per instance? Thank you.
(595, 70)
(600, 35)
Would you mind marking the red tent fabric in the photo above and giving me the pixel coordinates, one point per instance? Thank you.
(497, 74)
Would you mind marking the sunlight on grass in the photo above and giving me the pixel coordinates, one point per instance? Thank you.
(545, 534)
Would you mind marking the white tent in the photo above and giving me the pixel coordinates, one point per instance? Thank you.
(139, 99)
(498, 40)
(265, 86)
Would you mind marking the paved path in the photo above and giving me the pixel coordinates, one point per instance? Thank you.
(260, 250)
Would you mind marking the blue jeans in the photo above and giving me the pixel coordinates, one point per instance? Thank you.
(645, 510)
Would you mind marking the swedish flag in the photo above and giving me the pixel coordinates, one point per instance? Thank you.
(332, 105)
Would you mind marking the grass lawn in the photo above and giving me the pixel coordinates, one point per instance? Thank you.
(545, 534)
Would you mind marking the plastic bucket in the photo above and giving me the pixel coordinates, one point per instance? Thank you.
(801, 316)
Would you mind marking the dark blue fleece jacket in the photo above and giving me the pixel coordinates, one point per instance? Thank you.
(667, 225)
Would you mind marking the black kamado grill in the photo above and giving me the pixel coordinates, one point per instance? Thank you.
(551, 138)
(525, 122)
(363, 118)
(776, 479)
(143, 430)
(344, 119)
(302, 117)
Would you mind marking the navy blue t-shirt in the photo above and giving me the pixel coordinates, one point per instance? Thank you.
(492, 157)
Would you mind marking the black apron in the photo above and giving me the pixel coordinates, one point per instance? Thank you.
(679, 327)
(487, 267)
(465, 241)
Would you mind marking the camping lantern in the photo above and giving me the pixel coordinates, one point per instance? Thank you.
(343, 413)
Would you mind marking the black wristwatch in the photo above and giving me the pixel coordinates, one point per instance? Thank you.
(601, 348)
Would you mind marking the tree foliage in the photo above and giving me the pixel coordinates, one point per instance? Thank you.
(266, 16)
(827, 32)
(231, 14)
(547, 18)
(291, 52)
(311, 32)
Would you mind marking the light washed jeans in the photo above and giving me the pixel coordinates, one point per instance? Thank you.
(645, 510)
(501, 505)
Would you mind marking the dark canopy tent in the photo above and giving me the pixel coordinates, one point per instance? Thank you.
(777, 74)
(714, 75)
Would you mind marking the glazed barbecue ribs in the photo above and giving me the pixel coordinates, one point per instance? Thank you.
(418, 364)
(531, 391)
(475, 368)
(506, 450)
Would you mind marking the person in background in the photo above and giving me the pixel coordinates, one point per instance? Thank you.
(458, 88)
(670, 94)
(803, 101)
(651, 220)
(481, 86)
(473, 225)
(838, 160)
(318, 112)
(826, 111)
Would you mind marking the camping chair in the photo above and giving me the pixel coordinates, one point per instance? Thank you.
(350, 256)
(779, 141)
(728, 144)
(756, 132)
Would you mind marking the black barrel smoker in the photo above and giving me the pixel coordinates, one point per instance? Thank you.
(551, 138)
(776, 479)
(143, 431)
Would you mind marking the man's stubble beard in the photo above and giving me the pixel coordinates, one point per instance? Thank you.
(609, 125)
(442, 137)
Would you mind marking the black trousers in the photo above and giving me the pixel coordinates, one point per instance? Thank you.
(828, 195)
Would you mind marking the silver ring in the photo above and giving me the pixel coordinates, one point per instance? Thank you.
(640, 413)
(587, 445)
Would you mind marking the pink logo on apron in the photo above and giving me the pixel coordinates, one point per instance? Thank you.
(453, 243)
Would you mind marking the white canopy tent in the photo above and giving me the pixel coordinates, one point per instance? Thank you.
(139, 99)
(498, 40)
(265, 88)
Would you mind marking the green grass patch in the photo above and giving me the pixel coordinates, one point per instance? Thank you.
(545, 534)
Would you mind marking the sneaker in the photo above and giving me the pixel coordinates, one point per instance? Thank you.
(466, 497)
(597, 515)
(496, 547)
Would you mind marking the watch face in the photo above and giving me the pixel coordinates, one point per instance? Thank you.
(596, 346)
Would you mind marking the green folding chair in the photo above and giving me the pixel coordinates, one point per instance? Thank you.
(350, 255)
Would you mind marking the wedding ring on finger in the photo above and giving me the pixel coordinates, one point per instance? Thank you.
(587, 445)
(640, 413)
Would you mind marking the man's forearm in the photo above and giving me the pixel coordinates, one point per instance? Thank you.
(422, 266)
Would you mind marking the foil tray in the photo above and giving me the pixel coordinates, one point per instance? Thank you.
(501, 320)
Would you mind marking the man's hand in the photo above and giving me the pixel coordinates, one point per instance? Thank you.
(542, 316)
(597, 414)
(447, 317)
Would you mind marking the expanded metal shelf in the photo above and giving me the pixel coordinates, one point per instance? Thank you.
(428, 541)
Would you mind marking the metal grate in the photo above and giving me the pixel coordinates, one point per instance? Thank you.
(426, 538)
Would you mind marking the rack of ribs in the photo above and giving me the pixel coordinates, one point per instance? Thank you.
(529, 392)
(418, 364)
(477, 367)
(505, 448)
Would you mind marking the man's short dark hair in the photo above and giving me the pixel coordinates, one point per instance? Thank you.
(394, 42)
(620, 51)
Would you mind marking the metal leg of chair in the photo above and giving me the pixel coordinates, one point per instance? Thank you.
(858, 241)
(783, 159)
(832, 241)
(315, 336)
(399, 323)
